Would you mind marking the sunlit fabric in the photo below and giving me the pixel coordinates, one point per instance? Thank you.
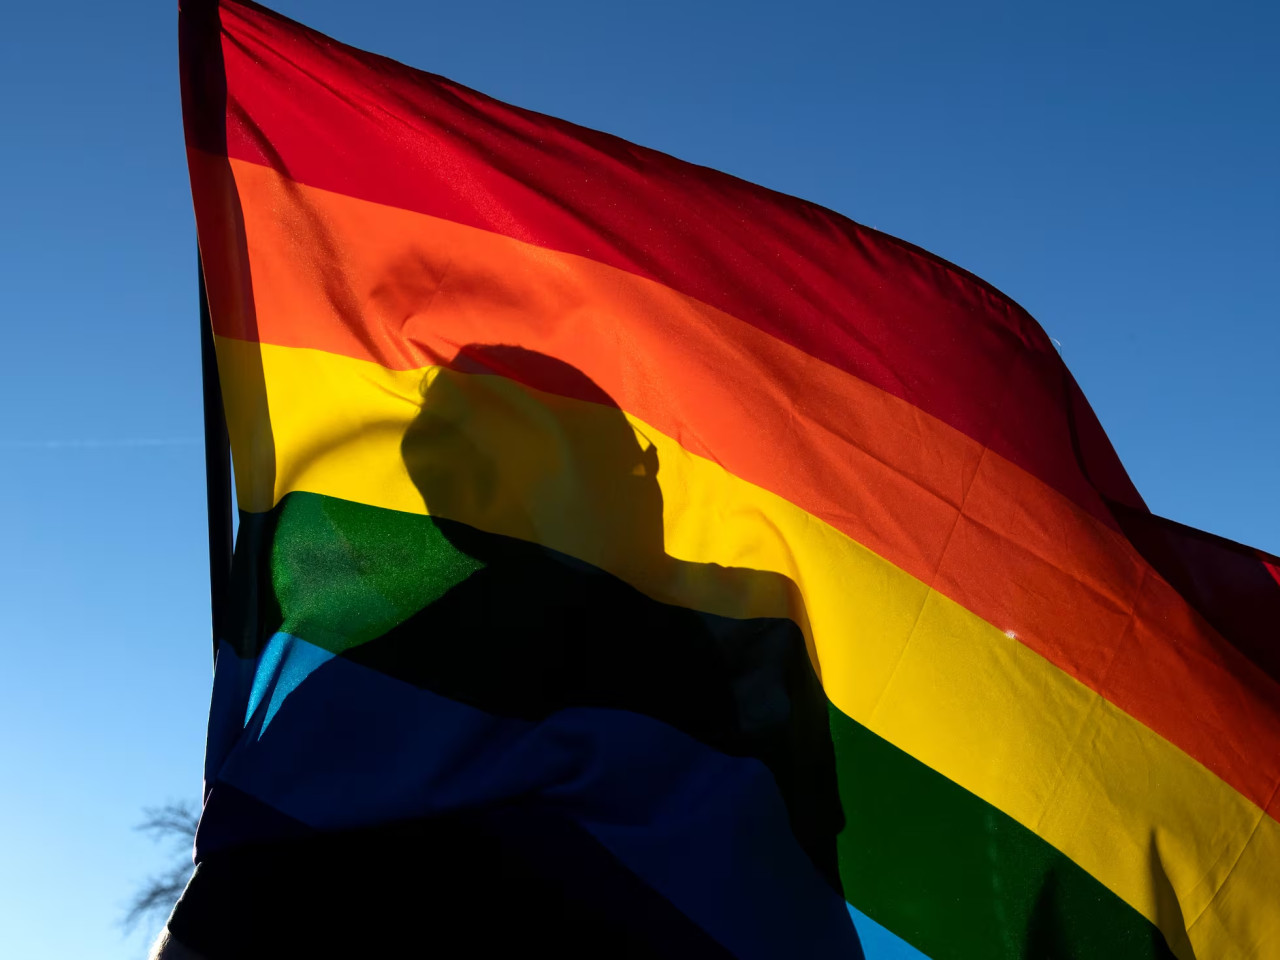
(644, 563)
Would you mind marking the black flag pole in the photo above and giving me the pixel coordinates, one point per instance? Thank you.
(217, 471)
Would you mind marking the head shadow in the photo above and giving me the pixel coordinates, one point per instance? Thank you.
(519, 444)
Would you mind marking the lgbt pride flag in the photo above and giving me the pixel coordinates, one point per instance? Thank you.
(769, 570)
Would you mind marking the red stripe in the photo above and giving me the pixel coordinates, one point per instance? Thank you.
(1272, 569)
(1232, 585)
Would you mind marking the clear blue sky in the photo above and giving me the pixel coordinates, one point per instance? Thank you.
(1114, 167)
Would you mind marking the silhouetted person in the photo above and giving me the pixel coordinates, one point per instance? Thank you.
(503, 470)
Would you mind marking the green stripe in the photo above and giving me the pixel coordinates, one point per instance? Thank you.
(957, 878)
(345, 573)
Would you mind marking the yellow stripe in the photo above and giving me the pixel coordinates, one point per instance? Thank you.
(916, 668)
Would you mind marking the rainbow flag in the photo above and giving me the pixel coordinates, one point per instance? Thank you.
(761, 576)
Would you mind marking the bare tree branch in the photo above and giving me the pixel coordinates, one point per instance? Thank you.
(176, 819)
(174, 822)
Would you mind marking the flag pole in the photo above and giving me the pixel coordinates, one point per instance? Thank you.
(217, 471)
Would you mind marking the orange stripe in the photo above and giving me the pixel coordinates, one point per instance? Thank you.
(355, 278)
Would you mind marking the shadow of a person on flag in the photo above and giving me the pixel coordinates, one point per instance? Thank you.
(529, 468)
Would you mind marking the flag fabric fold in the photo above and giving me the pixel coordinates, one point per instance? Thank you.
(759, 584)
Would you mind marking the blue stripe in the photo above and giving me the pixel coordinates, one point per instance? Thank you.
(878, 943)
(346, 746)
(283, 664)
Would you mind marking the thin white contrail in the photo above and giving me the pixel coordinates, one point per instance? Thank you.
(116, 443)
